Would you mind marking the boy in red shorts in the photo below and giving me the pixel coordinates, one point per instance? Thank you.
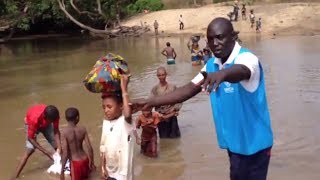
(73, 137)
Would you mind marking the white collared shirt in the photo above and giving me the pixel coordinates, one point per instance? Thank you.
(248, 59)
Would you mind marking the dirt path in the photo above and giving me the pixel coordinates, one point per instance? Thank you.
(280, 19)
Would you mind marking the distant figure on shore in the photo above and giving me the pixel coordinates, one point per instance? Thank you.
(73, 137)
(234, 14)
(170, 53)
(156, 26)
(169, 128)
(244, 12)
(236, 11)
(252, 18)
(181, 24)
(258, 25)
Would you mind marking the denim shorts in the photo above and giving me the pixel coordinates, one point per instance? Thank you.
(48, 133)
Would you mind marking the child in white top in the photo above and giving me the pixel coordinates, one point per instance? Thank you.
(116, 147)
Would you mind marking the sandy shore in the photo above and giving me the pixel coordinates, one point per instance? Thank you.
(279, 19)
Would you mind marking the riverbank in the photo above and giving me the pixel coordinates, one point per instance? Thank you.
(277, 19)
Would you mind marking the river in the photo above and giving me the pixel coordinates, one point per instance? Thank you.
(51, 71)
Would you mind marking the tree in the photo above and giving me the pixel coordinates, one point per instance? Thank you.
(11, 24)
(95, 16)
(23, 14)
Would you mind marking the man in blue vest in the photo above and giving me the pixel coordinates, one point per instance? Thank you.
(234, 80)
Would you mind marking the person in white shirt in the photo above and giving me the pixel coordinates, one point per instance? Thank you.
(181, 24)
(116, 146)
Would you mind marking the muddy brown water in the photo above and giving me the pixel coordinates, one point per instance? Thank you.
(51, 71)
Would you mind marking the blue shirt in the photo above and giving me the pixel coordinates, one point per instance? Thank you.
(241, 117)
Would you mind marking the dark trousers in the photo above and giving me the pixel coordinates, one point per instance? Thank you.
(252, 167)
(181, 25)
(169, 128)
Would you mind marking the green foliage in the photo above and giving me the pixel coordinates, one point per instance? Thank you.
(140, 5)
(46, 14)
(39, 11)
(24, 24)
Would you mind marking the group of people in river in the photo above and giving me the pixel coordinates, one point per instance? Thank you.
(198, 56)
(233, 78)
(117, 129)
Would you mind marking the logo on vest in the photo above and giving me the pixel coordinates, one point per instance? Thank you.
(228, 88)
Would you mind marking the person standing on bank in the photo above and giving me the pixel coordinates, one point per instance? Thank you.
(168, 128)
(234, 79)
(156, 26)
(181, 24)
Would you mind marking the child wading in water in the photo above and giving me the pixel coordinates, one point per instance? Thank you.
(73, 137)
(116, 147)
(149, 120)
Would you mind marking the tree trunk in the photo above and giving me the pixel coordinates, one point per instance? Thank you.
(8, 37)
(120, 31)
(92, 30)
(118, 11)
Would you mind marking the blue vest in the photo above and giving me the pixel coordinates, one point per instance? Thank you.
(241, 118)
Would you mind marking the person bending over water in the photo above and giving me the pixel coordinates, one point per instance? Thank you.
(40, 119)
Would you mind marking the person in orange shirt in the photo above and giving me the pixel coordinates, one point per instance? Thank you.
(149, 121)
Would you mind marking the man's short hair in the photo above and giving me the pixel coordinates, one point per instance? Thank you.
(72, 114)
(51, 113)
(168, 43)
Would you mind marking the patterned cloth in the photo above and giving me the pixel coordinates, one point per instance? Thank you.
(105, 75)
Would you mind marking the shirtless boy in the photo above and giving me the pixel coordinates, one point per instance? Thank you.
(73, 137)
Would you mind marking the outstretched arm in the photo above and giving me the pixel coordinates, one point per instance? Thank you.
(90, 150)
(179, 95)
(234, 74)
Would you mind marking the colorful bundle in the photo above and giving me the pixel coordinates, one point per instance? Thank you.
(105, 75)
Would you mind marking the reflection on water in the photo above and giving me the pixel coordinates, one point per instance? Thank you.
(51, 72)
